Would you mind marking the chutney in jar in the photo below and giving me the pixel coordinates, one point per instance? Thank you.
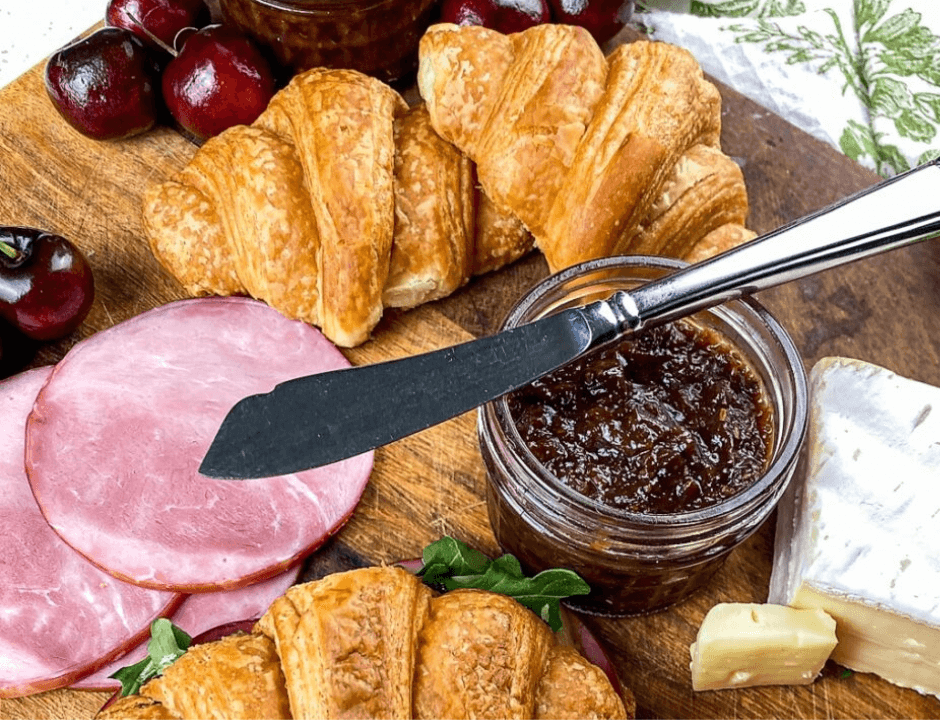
(670, 420)
(642, 562)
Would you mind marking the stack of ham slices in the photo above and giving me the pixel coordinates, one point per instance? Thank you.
(109, 524)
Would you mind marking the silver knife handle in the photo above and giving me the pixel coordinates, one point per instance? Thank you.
(895, 212)
(610, 318)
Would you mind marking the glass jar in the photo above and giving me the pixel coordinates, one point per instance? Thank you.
(377, 37)
(637, 563)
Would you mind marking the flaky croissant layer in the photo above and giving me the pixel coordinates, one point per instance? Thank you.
(595, 155)
(377, 643)
(337, 202)
(340, 200)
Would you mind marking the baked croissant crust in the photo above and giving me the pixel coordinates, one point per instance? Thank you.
(703, 192)
(337, 202)
(340, 200)
(476, 652)
(238, 676)
(517, 105)
(377, 643)
(136, 707)
(595, 173)
(571, 688)
(347, 643)
(434, 216)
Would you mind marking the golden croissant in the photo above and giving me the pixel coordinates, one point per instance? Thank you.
(596, 155)
(377, 643)
(337, 202)
(340, 200)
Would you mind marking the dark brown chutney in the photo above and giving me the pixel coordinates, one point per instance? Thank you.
(670, 420)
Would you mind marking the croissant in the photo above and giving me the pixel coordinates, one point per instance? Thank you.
(337, 202)
(378, 643)
(595, 155)
(340, 200)
(703, 196)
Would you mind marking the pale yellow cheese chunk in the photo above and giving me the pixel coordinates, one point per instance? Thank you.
(745, 644)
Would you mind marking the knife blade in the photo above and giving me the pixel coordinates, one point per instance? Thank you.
(316, 420)
(287, 430)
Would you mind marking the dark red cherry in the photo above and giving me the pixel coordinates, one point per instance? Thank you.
(46, 285)
(162, 19)
(220, 78)
(106, 85)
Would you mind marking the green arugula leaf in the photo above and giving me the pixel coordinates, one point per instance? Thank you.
(167, 644)
(447, 557)
(130, 676)
(452, 565)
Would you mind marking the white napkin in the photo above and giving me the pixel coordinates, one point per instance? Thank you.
(861, 75)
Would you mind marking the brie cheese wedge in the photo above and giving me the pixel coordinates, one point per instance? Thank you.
(860, 537)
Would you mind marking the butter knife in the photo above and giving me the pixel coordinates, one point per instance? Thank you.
(312, 421)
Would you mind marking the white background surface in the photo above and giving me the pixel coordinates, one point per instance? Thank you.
(31, 30)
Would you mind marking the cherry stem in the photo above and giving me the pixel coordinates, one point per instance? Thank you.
(8, 250)
(149, 34)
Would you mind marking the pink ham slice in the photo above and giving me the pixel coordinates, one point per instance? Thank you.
(116, 437)
(200, 613)
(60, 616)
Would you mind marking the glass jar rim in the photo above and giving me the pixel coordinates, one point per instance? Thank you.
(784, 455)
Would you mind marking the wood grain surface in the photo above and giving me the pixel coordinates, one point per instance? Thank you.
(883, 310)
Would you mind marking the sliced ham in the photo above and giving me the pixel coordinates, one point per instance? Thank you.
(199, 614)
(60, 616)
(117, 434)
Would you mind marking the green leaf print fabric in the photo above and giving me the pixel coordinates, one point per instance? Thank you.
(862, 75)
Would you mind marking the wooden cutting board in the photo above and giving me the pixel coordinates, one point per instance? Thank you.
(883, 310)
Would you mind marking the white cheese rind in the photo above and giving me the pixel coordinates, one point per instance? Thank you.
(859, 537)
(747, 644)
